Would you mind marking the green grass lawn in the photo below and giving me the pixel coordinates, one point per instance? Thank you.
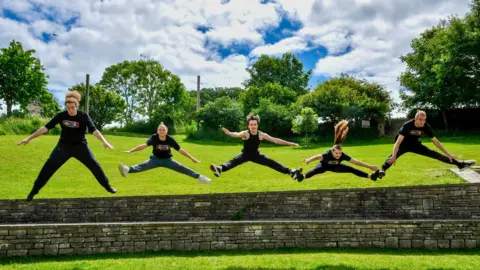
(21, 164)
(337, 259)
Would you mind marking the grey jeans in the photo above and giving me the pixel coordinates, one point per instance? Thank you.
(169, 163)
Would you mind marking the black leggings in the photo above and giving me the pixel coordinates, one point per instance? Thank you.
(340, 168)
(60, 155)
(419, 148)
(257, 158)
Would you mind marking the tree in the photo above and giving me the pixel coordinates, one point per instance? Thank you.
(305, 123)
(348, 98)
(104, 106)
(159, 90)
(275, 119)
(211, 94)
(277, 93)
(22, 78)
(443, 69)
(49, 105)
(223, 112)
(286, 70)
(122, 79)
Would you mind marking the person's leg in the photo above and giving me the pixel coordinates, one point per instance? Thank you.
(176, 166)
(425, 151)
(318, 169)
(85, 156)
(57, 158)
(145, 166)
(342, 168)
(237, 160)
(266, 161)
(402, 150)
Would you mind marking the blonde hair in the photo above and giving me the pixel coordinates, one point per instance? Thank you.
(74, 97)
(341, 130)
(420, 113)
(251, 117)
(162, 125)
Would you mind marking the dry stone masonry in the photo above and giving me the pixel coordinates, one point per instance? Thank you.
(432, 217)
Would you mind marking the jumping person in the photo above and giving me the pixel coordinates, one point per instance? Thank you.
(161, 143)
(251, 141)
(72, 143)
(332, 159)
(407, 141)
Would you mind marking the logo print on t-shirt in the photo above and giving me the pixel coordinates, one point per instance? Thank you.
(162, 147)
(71, 124)
(416, 133)
(334, 162)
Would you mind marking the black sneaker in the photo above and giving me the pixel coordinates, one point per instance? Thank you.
(381, 174)
(465, 165)
(296, 174)
(111, 190)
(375, 175)
(216, 171)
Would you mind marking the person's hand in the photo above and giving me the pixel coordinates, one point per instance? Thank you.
(293, 144)
(127, 152)
(107, 145)
(451, 157)
(392, 160)
(306, 160)
(373, 168)
(25, 142)
(195, 160)
(225, 130)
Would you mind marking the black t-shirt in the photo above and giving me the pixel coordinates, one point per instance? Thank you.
(73, 127)
(329, 160)
(161, 149)
(413, 133)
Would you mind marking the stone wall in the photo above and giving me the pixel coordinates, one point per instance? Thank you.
(458, 201)
(48, 239)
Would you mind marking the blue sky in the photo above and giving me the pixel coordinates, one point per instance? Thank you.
(219, 39)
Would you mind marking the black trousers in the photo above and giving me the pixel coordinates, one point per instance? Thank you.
(60, 155)
(257, 158)
(340, 168)
(419, 148)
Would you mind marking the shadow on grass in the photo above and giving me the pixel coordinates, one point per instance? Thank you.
(279, 252)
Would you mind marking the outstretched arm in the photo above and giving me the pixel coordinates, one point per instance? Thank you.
(240, 134)
(37, 133)
(185, 153)
(399, 141)
(100, 137)
(137, 148)
(269, 138)
(317, 157)
(440, 146)
(359, 163)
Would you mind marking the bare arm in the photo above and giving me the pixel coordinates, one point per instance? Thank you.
(395, 149)
(240, 134)
(100, 137)
(317, 157)
(137, 148)
(185, 153)
(440, 146)
(269, 138)
(37, 133)
(359, 163)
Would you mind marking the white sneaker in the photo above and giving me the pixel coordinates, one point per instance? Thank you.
(123, 169)
(204, 180)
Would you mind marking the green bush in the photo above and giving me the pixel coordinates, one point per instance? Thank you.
(223, 112)
(23, 126)
(191, 130)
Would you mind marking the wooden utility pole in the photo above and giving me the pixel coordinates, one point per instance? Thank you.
(87, 84)
(198, 99)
